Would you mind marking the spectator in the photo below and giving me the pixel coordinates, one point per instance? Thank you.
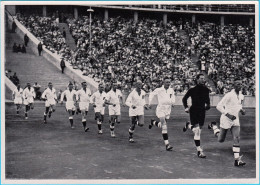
(15, 48)
(62, 65)
(40, 48)
(23, 50)
(37, 91)
(26, 40)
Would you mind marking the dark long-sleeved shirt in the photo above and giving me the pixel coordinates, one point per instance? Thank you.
(199, 97)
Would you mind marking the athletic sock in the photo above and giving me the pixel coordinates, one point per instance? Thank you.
(71, 120)
(84, 123)
(165, 138)
(44, 116)
(236, 151)
(197, 143)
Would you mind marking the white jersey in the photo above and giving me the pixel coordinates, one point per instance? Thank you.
(18, 96)
(28, 95)
(83, 96)
(70, 95)
(134, 99)
(164, 96)
(98, 98)
(114, 97)
(231, 103)
(50, 96)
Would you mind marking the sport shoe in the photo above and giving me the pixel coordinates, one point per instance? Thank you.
(86, 129)
(131, 140)
(113, 135)
(169, 147)
(239, 162)
(210, 125)
(44, 121)
(26, 117)
(100, 132)
(151, 124)
(185, 128)
(201, 154)
(72, 127)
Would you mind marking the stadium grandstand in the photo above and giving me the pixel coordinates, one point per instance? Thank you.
(187, 40)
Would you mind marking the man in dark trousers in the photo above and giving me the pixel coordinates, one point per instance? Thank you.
(40, 48)
(200, 103)
(26, 40)
(62, 65)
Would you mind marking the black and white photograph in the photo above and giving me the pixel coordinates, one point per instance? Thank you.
(130, 92)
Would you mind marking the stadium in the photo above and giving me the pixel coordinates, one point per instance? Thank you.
(126, 44)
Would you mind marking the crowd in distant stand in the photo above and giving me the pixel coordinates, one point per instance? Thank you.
(226, 53)
(149, 51)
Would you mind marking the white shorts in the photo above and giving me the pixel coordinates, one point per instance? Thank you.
(163, 111)
(18, 101)
(28, 101)
(227, 123)
(70, 105)
(100, 109)
(114, 110)
(138, 111)
(49, 103)
(83, 106)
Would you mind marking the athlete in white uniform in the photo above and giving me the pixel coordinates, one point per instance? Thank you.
(230, 106)
(50, 97)
(28, 97)
(136, 103)
(166, 99)
(98, 101)
(70, 103)
(18, 98)
(113, 100)
(83, 97)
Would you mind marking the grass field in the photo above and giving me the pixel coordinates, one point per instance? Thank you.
(34, 150)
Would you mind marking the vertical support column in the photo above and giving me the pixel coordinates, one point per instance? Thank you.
(106, 15)
(76, 13)
(165, 19)
(135, 17)
(222, 20)
(159, 6)
(193, 19)
(44, 11)
(251, 21)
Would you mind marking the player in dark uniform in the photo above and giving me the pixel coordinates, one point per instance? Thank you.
(200, 103)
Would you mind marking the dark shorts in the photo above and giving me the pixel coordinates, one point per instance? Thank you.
(197, 116)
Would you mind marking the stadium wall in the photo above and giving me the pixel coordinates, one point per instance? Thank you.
(52, 57)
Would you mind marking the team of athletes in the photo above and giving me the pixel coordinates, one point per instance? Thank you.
(79, 101)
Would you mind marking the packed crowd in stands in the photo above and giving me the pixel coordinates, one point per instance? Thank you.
(147, 50)
(226, 53)
(46, 30)
(127, 51)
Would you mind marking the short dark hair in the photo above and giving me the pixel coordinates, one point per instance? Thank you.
(166, 78)
(198, 76)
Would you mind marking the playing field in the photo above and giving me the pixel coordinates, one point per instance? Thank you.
(54, 151)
